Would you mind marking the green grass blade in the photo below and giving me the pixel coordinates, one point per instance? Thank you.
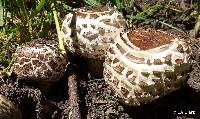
(147, 13)
(40, 5)
(93, 3)
(173, 27)
(136, 17)
(1, 13)
(37, 9)
(60, 38)
(118, 4)
(21, 5)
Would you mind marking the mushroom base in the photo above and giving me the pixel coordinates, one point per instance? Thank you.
(147, 93)
(95, 67)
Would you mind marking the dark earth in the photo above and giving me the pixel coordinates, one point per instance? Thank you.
(96, 99)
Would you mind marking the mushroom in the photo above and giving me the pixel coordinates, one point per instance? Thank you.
(8, 110)
(39, 61)
(145, 64)
(88, 32)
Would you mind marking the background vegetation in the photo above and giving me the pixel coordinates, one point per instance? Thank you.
(24, 20)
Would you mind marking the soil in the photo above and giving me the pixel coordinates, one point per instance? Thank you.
(96, 99)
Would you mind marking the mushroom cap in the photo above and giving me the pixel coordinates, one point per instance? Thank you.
(145, 64)
(39, 60)
(8, 110)
(88, 32)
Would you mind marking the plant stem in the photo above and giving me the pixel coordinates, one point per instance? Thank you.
(60, 38)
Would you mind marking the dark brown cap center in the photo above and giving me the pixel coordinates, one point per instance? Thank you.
(146, 39)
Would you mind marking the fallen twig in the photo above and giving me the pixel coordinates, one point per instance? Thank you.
(173, 27)
(196, 28)
(73, 96)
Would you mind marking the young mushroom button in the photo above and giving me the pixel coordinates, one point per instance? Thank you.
(39, 60)
(144, 64)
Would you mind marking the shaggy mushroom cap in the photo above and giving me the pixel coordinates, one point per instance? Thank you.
(144, 64)
(87, 32)
(39, 61)
(8, 110)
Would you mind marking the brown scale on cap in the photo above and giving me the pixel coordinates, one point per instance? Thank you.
(157, 61)
(90, 36)
(116, 24)
(143, 83)
(131, 57)
(120, 48)
(108, 61)
(180, 49)
(156, 81)
(115, 60)
(82, 15)
(115, 82)
(102, 31)
(168, 58)
(111, 50)
(129, 73)
(93, 16)
(119, 68)
(179, 61)
(124, 90)
(106, 21)
(85, 25)
(146, 74)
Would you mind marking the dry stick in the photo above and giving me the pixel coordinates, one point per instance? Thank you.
(173, 27)
(72, 79)
(73, 96)
(196, 28)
